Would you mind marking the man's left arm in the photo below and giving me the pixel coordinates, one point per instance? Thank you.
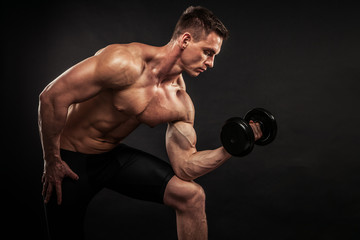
(187, 162)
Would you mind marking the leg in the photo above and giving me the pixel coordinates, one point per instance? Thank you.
(138, 174)
(65, 221)
(188, 200)
(143, 176)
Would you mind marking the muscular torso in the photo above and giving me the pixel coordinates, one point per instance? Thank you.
(103, 121)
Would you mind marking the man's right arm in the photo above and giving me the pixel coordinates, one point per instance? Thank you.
(75, 85)
(79, 83)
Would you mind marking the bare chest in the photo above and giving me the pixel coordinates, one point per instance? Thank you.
(154, 104)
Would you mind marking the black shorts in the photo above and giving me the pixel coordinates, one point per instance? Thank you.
(126, 170)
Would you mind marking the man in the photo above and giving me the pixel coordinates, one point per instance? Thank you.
(87, 111)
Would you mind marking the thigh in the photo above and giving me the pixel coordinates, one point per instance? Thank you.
(140, 175)
(65, 221)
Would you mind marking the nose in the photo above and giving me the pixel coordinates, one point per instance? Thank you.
(209, 62)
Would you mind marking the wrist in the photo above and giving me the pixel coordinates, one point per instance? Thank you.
(51, 157)
(226, 154)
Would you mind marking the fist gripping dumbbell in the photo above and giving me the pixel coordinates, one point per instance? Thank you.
(237, 136)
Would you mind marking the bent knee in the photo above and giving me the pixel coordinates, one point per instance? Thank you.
(183, 195)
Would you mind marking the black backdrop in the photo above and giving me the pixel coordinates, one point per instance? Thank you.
(301, 61)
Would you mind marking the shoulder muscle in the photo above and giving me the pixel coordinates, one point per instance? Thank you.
(120, 65)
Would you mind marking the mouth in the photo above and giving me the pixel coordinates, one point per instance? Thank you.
(201, 69)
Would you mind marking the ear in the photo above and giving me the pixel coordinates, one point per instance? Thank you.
(185, 40)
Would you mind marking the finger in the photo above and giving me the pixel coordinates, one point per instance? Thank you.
(257, 132)
(253, 126)
(259, 129)
(72, 175)
(58, 192)
(43, 193)
(48, 193)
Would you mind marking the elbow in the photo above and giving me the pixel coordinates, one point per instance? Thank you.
(184, 176)
(185, 173)
(47, 101)
(44, 96)
(43, 101)
(50, 98)
(44, 105)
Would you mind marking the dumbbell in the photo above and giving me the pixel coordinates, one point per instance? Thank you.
(237, 136)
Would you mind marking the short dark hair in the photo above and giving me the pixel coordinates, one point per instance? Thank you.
(199, 21)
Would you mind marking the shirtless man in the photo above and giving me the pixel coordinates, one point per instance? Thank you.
(87, 111)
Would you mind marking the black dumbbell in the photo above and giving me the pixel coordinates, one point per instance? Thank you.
(237, 136)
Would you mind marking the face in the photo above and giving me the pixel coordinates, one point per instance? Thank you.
(198, 56)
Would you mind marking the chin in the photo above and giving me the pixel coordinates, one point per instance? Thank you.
(193, 73)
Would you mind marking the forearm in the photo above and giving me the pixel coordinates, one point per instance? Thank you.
(51, 119)
(201, 163)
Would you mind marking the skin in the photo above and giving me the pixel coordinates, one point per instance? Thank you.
(95, 104)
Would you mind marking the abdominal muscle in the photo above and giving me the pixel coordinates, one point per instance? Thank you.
(95, 126)
(92, 141)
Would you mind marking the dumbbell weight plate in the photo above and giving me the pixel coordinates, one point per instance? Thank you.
(267, 123)
(237, 137)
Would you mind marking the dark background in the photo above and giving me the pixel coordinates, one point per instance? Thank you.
(299, 60)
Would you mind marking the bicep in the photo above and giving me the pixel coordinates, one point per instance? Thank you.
(180, 142)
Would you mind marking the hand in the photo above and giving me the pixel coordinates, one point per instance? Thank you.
(256, 129)
(54, 173)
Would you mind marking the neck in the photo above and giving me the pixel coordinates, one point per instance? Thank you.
(167, 66)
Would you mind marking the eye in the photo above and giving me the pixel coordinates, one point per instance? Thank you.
(207, 53)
